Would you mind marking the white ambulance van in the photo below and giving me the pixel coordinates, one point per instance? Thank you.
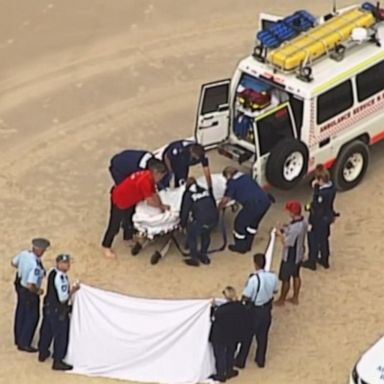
(312, 92)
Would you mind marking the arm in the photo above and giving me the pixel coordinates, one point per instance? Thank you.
(186, 206)
(34, 289)
(155, 201)
(224, 201)
(167, 162)
(32, 281)
(207, 174)
(15, 261)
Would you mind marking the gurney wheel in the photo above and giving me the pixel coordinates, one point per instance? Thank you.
(155, 258)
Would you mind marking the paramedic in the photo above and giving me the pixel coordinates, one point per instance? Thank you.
(198, 215)
(255, 204)
(321, 216)
(227, 331)
(135, 188)
(30, 273)
(293, 238)
(258, 294)
(179, 155)
(56, 309)
(127, 162)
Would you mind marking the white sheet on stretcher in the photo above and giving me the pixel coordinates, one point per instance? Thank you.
(152, 222)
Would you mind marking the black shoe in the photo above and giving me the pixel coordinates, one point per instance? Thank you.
(217, 378)
(27, 349)
(136, 249)
(309, 265)
(155, 258)
(232, 374)
(240, 366)
(43, 356)
(61, 366)
(192, 262)
(260, 365)
(323, 263)
(233, 248)
(205, 260)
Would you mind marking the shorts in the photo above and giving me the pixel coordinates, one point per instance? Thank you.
(289, 269)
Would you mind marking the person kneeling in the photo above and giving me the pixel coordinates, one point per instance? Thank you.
(198, 215)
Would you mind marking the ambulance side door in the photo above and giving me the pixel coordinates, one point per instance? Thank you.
(212, 123)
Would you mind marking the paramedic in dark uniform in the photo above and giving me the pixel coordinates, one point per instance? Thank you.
(258, 294)
(179, 155)
(255, 204)
(227, 331)
(293, 238)
(138, 187)
(321, 216)
(198, 215)
(29, 276)
(127, 162)
(56, 309)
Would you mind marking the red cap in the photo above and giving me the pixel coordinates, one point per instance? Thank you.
(293, 206)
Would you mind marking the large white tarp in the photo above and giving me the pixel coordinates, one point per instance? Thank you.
(121, 337)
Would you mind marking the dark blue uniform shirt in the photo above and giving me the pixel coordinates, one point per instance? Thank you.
(200, 204)
(178, 151)
(245, 190)
(322, 204)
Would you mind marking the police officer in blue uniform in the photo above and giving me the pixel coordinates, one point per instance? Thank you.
(321, 216)
(199, 215)
(127, 162)
(258, 296)
(29, 276)
(255, 204)
(179, 155)
(56, 309)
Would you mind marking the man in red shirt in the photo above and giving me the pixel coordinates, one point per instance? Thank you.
(137, 187)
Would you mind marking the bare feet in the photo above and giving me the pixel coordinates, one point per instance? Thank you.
(294, 300)
(279, 303)
(108, 253)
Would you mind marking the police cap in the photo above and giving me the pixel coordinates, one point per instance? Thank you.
(63, 258)
(40, 243)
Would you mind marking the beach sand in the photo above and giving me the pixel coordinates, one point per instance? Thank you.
(81, 80)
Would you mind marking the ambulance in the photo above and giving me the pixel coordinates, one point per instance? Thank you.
(312, 92)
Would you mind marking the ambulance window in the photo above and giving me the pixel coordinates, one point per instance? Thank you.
(297, 106)
(273, 128)
(334, 101)
(213, 97)
(370, 81)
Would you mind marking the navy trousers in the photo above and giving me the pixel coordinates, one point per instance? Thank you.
(26, 317)
(261, 318)
(318, 242)
(224, 357)
(17, 326)
(55, 327)
(196, 232)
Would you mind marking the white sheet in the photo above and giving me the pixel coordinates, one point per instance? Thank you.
(152, 222)
(163, 341)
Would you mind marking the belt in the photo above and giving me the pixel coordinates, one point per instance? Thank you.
(267, 304)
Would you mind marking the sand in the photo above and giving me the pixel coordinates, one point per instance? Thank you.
(81, 80)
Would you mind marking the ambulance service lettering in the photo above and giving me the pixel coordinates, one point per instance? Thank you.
(380, 368)
(355, 111)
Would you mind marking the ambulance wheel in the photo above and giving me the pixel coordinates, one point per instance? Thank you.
(351, 165)
(287, 164)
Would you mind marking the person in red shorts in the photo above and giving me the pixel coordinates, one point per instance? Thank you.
(137, 187)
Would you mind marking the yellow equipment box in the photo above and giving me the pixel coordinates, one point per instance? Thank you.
(319, 40)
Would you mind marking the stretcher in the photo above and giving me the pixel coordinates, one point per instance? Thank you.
(150, 223)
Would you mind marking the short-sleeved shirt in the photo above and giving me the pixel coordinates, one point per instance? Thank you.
(29, 268)
(61, 284)
(179, 154)
(244, 189)
(268, 286)
(130, 161)
(294, 239)
(135, 188)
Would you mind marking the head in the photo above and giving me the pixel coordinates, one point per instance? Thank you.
(229, 172)
(230, 293)
(322, 174)
(259, 261)
(39, 246)
(293, 207)
(63, 262)
(197, 151)
(158, 169)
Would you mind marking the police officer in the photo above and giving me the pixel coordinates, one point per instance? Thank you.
(198, 215)
(321, 216)
(56, 309)
(255, 204)
(258, 294)
(29, 276)
(125, 163)
(179, 155)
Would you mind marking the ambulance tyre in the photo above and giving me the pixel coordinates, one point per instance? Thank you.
(287, 164)
(351, 165)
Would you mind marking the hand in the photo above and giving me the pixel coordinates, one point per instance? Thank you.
(40, 291)
(75, 287)
(165, 207)
(314, 183)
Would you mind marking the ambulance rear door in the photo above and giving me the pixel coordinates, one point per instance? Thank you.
(212, 123)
